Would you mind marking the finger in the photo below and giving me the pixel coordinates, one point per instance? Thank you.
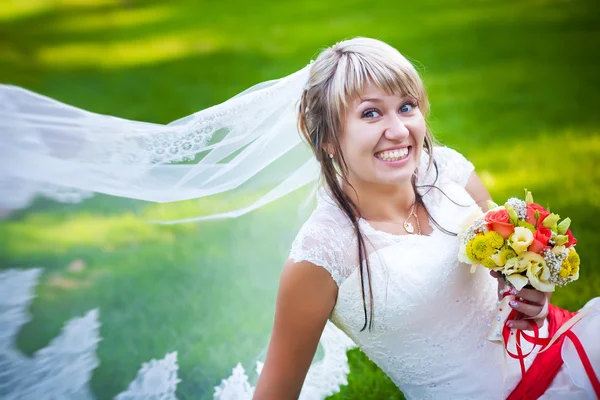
(532, 295)
(501, 289)
(496, 274)
(501, 283)
(524, 325)
(529, 310)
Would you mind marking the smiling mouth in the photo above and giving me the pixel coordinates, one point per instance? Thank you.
(393, 155)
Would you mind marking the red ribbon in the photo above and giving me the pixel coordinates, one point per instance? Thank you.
(587, 365)
(556, 319)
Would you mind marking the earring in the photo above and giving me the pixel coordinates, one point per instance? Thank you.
(330, 155)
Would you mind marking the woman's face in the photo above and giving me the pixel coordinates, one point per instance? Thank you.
(383, 137)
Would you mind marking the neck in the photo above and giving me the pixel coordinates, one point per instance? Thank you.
(378, 202)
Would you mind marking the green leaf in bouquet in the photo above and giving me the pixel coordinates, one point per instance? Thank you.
(528, 197)
(550, 221)
(560, 239)
(525, 224)
(514, 218)
(564, 226)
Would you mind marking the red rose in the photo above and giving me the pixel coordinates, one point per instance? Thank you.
(543, 234)
(531, 209)
(499, 221)
(572, 239)
(540, 240)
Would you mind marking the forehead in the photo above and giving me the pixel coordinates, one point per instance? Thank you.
(371, 91)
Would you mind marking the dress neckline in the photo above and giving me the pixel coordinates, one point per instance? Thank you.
(368, 228)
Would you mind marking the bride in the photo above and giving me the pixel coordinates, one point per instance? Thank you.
(378, 255)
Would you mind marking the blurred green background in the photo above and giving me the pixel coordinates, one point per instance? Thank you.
(514, 86)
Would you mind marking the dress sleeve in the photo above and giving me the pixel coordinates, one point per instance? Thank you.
(452, 165)
(326, 245)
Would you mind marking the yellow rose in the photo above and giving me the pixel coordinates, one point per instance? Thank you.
(537, 271)
(520, 239)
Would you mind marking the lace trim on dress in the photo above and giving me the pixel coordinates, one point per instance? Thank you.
(327, 238)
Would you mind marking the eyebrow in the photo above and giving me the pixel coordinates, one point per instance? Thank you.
(374, 100)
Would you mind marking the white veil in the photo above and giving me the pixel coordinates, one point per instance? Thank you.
(63, 152)
(226, 160)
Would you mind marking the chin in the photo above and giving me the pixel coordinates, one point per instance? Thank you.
(399, 180)
(401, 175)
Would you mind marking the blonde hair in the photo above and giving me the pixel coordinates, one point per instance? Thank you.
(337, 77)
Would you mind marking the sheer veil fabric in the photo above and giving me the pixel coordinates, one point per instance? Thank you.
(221, 163)
(66, 153)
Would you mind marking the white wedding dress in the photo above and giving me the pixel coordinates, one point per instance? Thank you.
(430, 313)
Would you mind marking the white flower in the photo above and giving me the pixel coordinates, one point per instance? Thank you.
(520, 239)
(474, 213)
(513, 269)
(517, 280)
(537, 271)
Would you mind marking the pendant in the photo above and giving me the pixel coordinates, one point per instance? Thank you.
(409, 227)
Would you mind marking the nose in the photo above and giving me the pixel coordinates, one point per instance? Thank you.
(396, 129)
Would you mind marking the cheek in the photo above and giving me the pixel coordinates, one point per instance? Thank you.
(421, 124)
(418, 129)
(358, 141)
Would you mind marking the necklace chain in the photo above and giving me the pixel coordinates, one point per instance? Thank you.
(408, 226)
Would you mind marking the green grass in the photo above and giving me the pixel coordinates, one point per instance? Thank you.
(513, 86)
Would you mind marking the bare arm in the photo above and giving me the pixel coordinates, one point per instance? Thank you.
(306, 296)
(478, 191)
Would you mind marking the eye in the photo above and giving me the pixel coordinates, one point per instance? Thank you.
(408, 107)
(371, 113)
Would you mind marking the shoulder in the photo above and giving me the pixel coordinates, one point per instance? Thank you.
(451, 165)
(306, 280)
(455, 167)
(326, 240)
(451, 159)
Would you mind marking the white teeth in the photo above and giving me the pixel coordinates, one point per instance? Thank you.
(393, 155)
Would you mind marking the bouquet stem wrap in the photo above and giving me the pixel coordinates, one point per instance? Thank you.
(494, 333)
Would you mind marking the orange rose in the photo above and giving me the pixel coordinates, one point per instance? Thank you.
(499, 221)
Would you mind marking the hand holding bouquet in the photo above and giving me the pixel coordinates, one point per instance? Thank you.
(524, 242)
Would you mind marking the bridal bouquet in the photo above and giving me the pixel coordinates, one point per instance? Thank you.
(523, 241)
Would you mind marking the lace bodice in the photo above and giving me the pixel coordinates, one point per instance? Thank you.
(327, 238)
(430, 313)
